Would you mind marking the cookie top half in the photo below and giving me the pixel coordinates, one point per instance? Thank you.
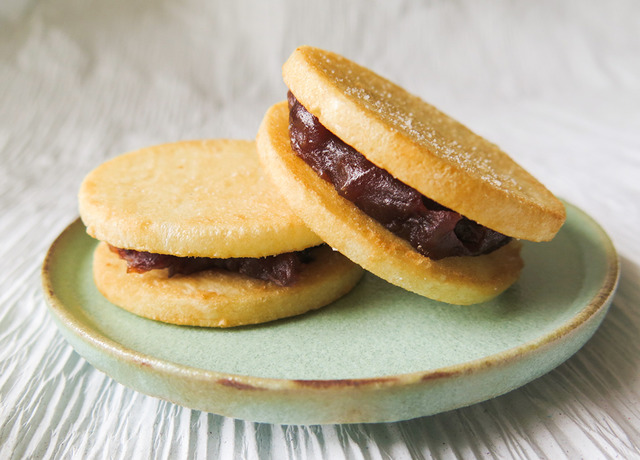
(204, 198)
(421, 146)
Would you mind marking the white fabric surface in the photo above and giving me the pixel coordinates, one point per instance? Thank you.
(556, 84)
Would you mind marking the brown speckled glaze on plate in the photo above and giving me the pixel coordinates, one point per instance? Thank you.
(379, 354)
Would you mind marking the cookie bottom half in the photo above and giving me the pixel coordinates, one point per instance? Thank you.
(216, 298)
(455, 280)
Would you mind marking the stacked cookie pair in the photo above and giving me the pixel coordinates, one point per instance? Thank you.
(350, 172)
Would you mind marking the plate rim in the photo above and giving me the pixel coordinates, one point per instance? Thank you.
(116, 350)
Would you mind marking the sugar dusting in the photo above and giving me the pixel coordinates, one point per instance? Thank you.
(421, 122)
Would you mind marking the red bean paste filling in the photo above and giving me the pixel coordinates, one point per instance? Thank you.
(431, 229)
(282, 269)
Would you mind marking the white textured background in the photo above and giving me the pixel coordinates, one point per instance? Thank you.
(556, 84)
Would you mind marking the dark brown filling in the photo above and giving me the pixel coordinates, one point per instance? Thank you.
(282, 269)
(433, 230)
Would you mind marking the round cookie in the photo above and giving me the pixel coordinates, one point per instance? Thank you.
(457, 280)
(216, 298)
(421, 146)
(205, 198)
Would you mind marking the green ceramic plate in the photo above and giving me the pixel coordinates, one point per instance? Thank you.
(379, 354)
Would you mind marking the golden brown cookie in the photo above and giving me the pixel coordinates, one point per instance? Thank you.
(421, 146)
(207, 199)
(458, 280)
(217, 298)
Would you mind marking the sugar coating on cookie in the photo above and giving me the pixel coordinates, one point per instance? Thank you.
(216, 298)
(421, 146)
(457, 280)
(199, 198)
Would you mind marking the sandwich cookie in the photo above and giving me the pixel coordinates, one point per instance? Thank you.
(399, 187)
(192, 233)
